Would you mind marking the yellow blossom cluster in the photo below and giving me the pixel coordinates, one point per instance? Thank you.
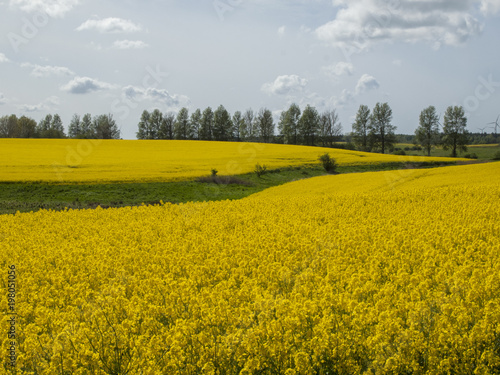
(101, 161)
(403, 280)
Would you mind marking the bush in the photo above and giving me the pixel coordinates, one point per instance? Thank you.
(470, 156)
(260, 169)
(496, 156)
(328, 162)
(399, 152)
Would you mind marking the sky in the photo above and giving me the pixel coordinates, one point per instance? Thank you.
(123, 57)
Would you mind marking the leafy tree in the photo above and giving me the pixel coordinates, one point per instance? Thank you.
(56, 127)
(150, 124)
(167, 126)
(207, 121)
(427, 134)
(74, 129)
(381, 131)
(195, 121)
(266, 125)
(250, 119)
(329, 163)
(330, 128)
(51, 127)
(9, 127)
(26, 127)
(309, 125)
(455, 136)
(87, 127)
(182, 128)
(238, 125)
(360, 129)
(144, 126)
(43, 127)
(289, 124)
(155, 122)
(222, 124)
(105, 127)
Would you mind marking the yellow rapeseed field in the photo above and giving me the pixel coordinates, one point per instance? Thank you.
(370, 273)
(98, 161)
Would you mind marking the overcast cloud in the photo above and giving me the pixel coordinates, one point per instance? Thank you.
(86, 56)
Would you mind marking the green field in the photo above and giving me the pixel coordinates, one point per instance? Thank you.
(27, 197)
(483, 152)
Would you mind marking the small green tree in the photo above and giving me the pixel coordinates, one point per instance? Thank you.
(260, 170)
(329, 163)
(309, 125)
(427, 134)
(454, 130)
(360, 128)
(381, 132)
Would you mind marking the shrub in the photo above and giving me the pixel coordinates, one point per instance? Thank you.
(470, 156)
(260, 169)
(328, 162)
(399, 152)
(496, 156)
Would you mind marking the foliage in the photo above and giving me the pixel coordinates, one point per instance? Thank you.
(260, 169)
(381, 131)
(288, 126)
(454, 130)
(360, 128)
(329, 163)
(265, 125)
(427, 134)
(309, 124)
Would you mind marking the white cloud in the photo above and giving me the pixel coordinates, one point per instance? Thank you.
(46, 71)
(284, 85)
(281, 31)
(85, 85)
(129, 44)
(490, 7)
(53, 8)
(3, 58)
(3, 100)
(110, 25)
(397, 62)
(366, 83)
(162, 96)
(344, 99)
(361, 23)
(340, 69)
(51, 103)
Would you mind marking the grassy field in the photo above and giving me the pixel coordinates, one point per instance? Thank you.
(27, 197)
(483, 152)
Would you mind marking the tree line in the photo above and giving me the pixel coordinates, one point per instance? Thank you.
(295, 126)
(51, 126)
(372, 130)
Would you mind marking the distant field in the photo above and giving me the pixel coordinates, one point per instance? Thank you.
(95, 161)
(483, 152)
